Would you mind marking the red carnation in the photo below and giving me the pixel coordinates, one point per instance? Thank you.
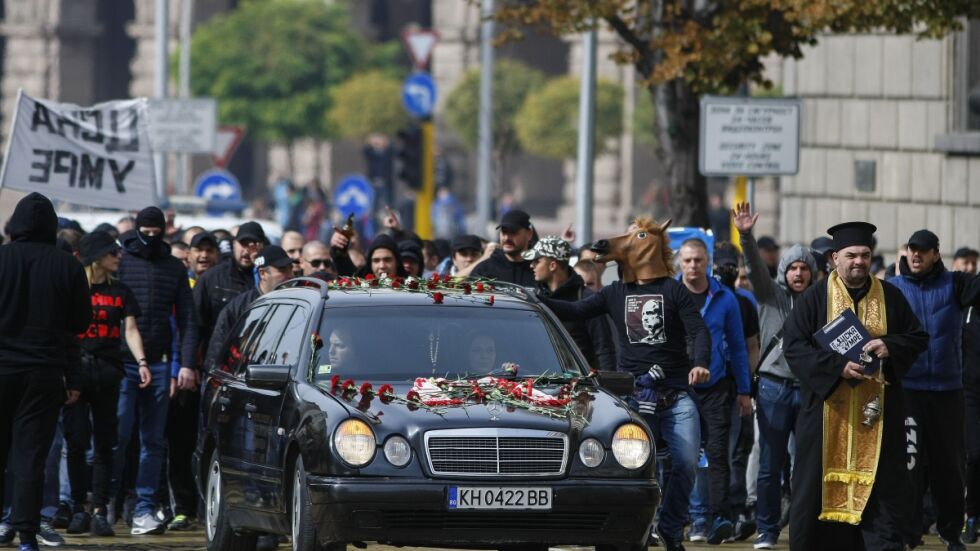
(334, 383)
(369, 277)
(467, 289)
(386, 392)
(317, 340)
(396, 284)
(437, 297)
(414, 284)
(412, 396)
(349, 385)
(445, 278)
(479, 287)
(490, 300)
(366, 388)
(431, 285)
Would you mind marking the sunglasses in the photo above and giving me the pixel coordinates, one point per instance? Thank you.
(114, 252)
(248, 243)
(321, 263)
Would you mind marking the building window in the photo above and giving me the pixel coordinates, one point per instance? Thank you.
(972, 85)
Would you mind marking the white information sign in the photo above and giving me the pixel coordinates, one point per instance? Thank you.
(97, 156)
(183, 125)
(743, 136)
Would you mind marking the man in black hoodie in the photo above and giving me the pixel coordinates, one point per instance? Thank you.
(45, 304)
(507, 262)
(160, 284)
(549, 263)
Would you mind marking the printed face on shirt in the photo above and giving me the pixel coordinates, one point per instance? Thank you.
(645, 319)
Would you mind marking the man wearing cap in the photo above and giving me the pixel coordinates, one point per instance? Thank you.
(465, 254)
(159, 282)
(411, 255)
(850, 485)
(778, 397)
(507, 263)
(822, 249)
(555, 279)
(225, 281)
(202, 255)
(934, 384)
(769, 250)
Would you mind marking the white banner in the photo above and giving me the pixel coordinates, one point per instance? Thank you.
(97, 156)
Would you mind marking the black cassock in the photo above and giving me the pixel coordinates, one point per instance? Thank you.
(819, 372)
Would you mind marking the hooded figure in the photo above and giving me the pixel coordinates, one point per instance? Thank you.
(384, 242)
(45, 301)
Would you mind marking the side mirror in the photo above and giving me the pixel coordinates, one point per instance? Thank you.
(269, 377)
(617, 382)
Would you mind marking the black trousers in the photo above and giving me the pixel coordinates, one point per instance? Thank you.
(934, 431)
(971, 399)
(741, 442)
(182, 425)
(29, 406)
(92, 420)
(716, 419)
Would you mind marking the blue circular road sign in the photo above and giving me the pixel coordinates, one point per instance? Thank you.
(218, 185)
(354, 194)
(419, 95)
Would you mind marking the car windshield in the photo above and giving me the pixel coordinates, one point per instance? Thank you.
(402, 343)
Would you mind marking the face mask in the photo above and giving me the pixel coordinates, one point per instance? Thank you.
(149, 240)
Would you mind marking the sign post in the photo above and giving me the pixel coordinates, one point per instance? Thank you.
(354, 195)
(419, 100)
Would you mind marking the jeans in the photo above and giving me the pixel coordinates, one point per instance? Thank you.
(149, 405)
(777, 405)
(680, 428)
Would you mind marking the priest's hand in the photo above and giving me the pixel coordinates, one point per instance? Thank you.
(877, 347)
(698, 375)
(853, 371)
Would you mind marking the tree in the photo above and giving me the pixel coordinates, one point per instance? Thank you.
(512, 82)
(685, 48)
(367, 103)
(547, 124)
(272, 63)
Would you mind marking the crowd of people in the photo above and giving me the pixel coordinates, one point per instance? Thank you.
(105, 335)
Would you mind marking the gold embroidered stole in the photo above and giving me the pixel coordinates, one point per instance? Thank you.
(850, 449)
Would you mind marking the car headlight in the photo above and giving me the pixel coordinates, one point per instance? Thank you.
(591, 452)
(397, 451)
(631, 446)
(355, 442)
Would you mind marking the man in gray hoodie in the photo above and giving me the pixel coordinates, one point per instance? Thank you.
(778, 397)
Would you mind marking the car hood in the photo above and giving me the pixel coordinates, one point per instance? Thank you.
(590, 407)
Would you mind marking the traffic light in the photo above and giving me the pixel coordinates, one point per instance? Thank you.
(410, 156)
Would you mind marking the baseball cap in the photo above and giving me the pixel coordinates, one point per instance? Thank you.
(924, 239)
(95, 245)
(204, 237)
(468, 241)
(964, 252)
(273, 255)
(726, 258)
(250, 231)
(515, 220)
(768, 243)
(550, 246)
(411, 250)
(822, 245)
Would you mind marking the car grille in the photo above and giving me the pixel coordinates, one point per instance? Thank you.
(489, 520)
(496, 452)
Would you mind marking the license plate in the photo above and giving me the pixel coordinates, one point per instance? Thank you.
(493, 497)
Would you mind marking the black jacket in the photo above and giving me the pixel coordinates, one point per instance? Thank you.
(592, 335)
(159, 282)
(227, 320)
(498, 267)
(971, 348)
(43, 292)
(215, 289)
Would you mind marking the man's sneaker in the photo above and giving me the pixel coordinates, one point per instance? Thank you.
(970, 530)
(47, 536)
(101, 526)
(765, 541)
(955, 546)
(6, 534)
(79, 523)
(180, 522)
(653, 540)
(744, 528)
(698, 531)
(146, 525)
(27, 547)
(721, 529)
(62, 516)
(669, 543)
(267, 542)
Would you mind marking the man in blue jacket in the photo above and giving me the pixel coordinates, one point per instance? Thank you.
(160, 284)
(729, 360)
(934, 385)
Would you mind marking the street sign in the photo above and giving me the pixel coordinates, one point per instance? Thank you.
(749, 136)
(420, 43)
(226, 141)
(354, 195)
(217, 184)
(182, 125)
(419, 95)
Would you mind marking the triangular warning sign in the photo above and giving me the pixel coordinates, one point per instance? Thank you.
(226, 141)
(420, 44)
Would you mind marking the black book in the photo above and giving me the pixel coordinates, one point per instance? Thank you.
(846, 335)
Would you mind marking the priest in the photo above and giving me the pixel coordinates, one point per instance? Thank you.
(850, 485)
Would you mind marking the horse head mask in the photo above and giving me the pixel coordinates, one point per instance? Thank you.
(642, 252)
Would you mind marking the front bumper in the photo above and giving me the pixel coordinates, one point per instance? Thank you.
(415, 512)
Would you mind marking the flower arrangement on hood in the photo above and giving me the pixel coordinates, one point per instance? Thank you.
(437, 393)
(436, 287)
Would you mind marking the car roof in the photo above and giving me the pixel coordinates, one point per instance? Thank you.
(354, 296)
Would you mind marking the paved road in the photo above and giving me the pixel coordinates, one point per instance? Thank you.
(194, 541)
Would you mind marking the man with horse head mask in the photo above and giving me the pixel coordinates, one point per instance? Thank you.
(654, 317)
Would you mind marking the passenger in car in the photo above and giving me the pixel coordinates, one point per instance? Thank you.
(482, 352)
(341, 350)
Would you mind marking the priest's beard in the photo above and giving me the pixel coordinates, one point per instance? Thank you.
(855, 277)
